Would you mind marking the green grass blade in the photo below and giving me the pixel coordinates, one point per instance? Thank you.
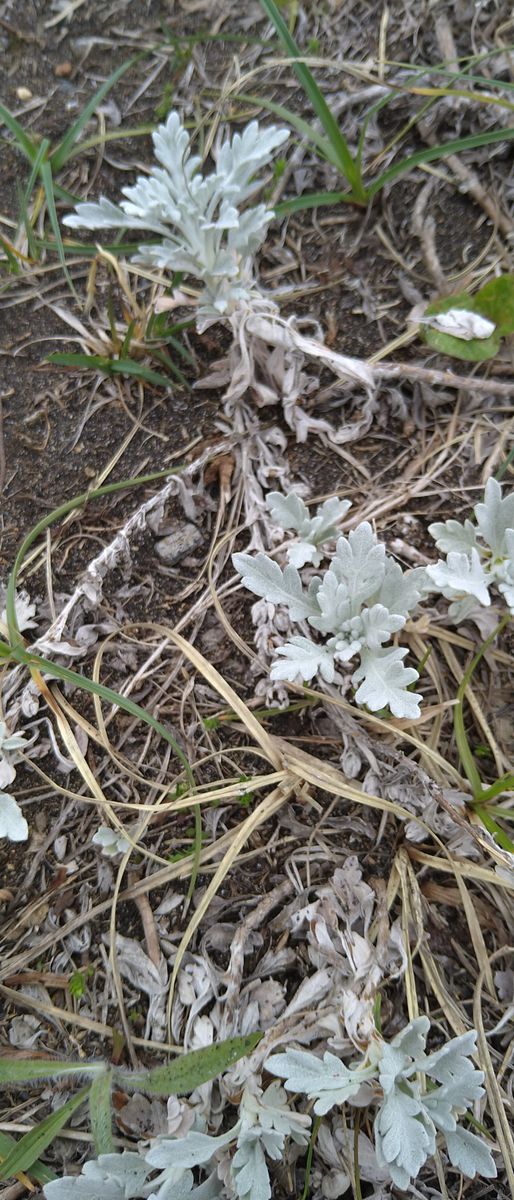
(189, 1071)
(105, 693)
(27, 1070)
(180, 349)
(125, 348)
(27, 146)
(506, 464)
(308, 1160)
(464, 748)
(42, 153)
(455, 76)
(62, 194)
(25, 1152)
(56, 515)
(36, 165)
(45, 171)
(346, 162)
(291, 118)
(109, 366)
(466, 757)
(89, 361)
(504, 784)
(100, 1113)
(127, 366)
(375, 108)
(25, 221)
(62, 152)
(167, 362)
(38, 1170)
(110, 135)
(87, 250)
(493, 828)
(178, 346)
(433, 153)
(14, 265)
(312, 200)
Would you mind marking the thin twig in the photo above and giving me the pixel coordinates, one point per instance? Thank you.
(445, 379)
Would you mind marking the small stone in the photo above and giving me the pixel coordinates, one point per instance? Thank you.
(185, 538)
(62, 70)
(23, 93)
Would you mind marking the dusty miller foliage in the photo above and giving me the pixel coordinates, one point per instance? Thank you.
(204, 232)
(409, 1114)
(360, 602)
(479, 556)
(207, 230)
(264, 1122)
(409, 1117)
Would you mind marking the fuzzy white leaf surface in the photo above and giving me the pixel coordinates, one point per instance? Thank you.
(270, 1112)
(10, 741)
(460, 324)
(408, 1118)
(452, 535)
(359, 604)
(505, 572)
(193, 1150)
(384, 681)
(25, 611)
(403, 1139)
(479, 556)
(250, 1175)
(13, 825)
(197, 216)
(401, 591)
(326, 1080)
(461, 575)
(290, 512)
(109, 1177)
(470, 1154)
(359, 563)
(110, 841)
(378, 624)
(263, 576)
(494, 517)
(302, 659)
(264, 1121)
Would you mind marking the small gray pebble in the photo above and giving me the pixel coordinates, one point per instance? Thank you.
(179, 543)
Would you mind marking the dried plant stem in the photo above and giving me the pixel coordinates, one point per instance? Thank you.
(448, 379)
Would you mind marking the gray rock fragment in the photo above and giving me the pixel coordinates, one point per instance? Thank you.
(184, 538)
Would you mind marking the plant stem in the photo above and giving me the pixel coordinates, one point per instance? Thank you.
(308, 1160)
(465, 752)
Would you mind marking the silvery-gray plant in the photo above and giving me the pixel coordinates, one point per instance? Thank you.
(199, 218)
(479, 556)
(362, 600)
(410, 1116)
(207, 226)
